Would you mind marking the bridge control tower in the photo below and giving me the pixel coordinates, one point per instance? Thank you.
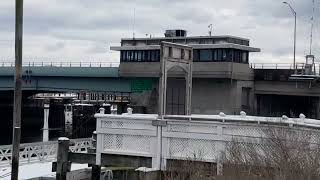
(222, 78)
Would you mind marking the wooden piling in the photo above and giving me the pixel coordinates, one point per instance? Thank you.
(62, 159)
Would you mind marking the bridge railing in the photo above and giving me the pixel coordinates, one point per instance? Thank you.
(40, 151)
(62, 64)
(184, 137)
(277, 66)
(299, 67)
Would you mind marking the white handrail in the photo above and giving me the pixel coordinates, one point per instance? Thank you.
(301, 121)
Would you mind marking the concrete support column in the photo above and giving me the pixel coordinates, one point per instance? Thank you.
(188, 103)
(68, 116)
(45, 133)
(318, 108)
(255, 105)
(234, 99)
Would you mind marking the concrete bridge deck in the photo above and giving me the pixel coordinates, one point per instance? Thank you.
(65, 77)
(99, 76)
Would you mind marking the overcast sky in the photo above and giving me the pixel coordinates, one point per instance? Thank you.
(83, 30)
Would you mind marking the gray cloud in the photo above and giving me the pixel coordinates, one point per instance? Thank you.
(78, 29)
(55, 47)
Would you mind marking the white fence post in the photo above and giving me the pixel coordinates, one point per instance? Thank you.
(157, 163)
(220, 148)
(100, 144)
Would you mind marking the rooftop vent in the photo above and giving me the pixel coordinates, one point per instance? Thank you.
(175, 33)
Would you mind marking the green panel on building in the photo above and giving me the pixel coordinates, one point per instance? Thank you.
(140, 85)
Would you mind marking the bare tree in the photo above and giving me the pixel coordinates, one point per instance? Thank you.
(282, 153)
(189, 169)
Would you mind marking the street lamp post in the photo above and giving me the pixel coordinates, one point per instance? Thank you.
(295, 35)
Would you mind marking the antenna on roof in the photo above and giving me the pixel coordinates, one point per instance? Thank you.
(210, 29)
(312, 23)
(134, 23)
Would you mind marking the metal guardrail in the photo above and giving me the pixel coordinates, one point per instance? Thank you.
(299, 68)
(277, 65)
(61, 64)
(116, 64)
(40, 151)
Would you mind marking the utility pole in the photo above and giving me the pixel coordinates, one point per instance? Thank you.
(17, 91)
(295, 42)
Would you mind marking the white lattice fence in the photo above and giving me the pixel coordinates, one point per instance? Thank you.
(128, 143)
(40, 152)
(199, 137)
(119, 136)
(187, 140)
(80, 145)
(182, 148)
